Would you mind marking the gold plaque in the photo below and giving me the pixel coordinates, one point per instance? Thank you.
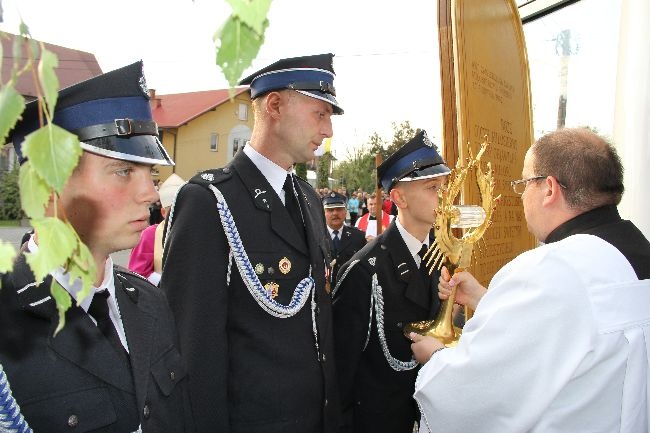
(486, 97)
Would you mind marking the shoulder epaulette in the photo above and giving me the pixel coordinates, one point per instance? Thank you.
(123, 270)
(212, 177)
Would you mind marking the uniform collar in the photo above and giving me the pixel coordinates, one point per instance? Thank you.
(412, 243)
(74, 287)
(273, 173)
(331, 230)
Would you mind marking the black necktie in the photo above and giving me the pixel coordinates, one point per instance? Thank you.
(291, 203)
(99, 311)
(424, 271)
(336, 242)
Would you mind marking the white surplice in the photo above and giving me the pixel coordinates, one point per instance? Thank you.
(557, 344)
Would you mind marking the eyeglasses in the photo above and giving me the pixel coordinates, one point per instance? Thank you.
(519, 186)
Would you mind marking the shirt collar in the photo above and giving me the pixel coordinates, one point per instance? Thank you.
(331, 231)
(273, 173)
(74, 287)
(413, 244)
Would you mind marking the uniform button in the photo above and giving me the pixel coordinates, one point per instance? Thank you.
(400, 325)
(172, 375)
(226, 170)
(146, 412)
(324, 358)
(73, 421)
(326, 402)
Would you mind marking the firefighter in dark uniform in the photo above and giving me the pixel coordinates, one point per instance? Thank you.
(245, 265)
(345, 241)
(114, 367)
(383, 288)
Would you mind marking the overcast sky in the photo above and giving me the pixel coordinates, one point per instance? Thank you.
(386, 53)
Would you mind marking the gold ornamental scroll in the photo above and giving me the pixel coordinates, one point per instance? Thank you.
(486, 93)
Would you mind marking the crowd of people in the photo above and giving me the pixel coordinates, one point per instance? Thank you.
(282, 309)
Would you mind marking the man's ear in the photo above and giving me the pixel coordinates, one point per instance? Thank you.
(553, 193)
(273, 103)
(397, 196)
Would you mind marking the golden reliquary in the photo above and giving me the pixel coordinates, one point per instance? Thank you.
(454, 252)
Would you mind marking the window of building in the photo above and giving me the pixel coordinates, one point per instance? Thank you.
(243, 112)
(573, 62)
(214, 142)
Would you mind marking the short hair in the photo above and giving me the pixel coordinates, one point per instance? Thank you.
(586, 163)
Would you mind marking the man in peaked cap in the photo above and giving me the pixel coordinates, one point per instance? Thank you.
(381, 289)
(114, 367)
(245, 267)
(345, 240)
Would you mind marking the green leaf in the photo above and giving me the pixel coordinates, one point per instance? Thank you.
(7, 256)
(48, 78)
(11, 106)
(251, 12)
(82, 265)
(34, 191)
(238, 46)
(63, 302)
(54, 153)
(56, 242)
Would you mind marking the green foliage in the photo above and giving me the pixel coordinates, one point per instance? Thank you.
(323, 170)
(359, 169)
(34, 191)
(11, 106)
(7, 256)
(9, 196)
(56, 243)
(63, 302)
(241, 36)
(47, 76)
(301, 170)
(54, 153)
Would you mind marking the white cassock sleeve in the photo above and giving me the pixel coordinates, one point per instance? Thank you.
(526, 339)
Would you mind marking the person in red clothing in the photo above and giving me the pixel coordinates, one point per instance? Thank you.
(368, 222)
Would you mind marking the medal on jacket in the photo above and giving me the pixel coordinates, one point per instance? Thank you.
(272, 288)
(284, 265)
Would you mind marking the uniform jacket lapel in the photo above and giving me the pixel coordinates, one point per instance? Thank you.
(405, 268)
(267, 200)
(80, 341)
(139, 327)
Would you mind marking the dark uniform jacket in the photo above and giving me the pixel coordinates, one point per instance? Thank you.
(251, 372)
(606, 223)
(351, 240)
(76, 381)
(374, 396)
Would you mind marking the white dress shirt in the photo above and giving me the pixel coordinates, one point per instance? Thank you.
(273, 173)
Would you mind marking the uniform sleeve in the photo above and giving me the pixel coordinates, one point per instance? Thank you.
(194, 279)
(529, 334)
(351, 315)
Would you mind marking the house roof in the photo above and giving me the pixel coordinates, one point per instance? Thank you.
(74, 66)
(175, 110)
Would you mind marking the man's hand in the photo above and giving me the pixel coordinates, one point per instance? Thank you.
(423, 347)
(468, 290)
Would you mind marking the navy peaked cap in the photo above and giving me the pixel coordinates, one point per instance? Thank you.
(110, 114)
(417, 159)
(310, 75)
(334, 199)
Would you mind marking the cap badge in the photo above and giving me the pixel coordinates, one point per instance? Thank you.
(143, 85)
(272, 288)
(259, 269)
(284, 265)
(425, 140)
